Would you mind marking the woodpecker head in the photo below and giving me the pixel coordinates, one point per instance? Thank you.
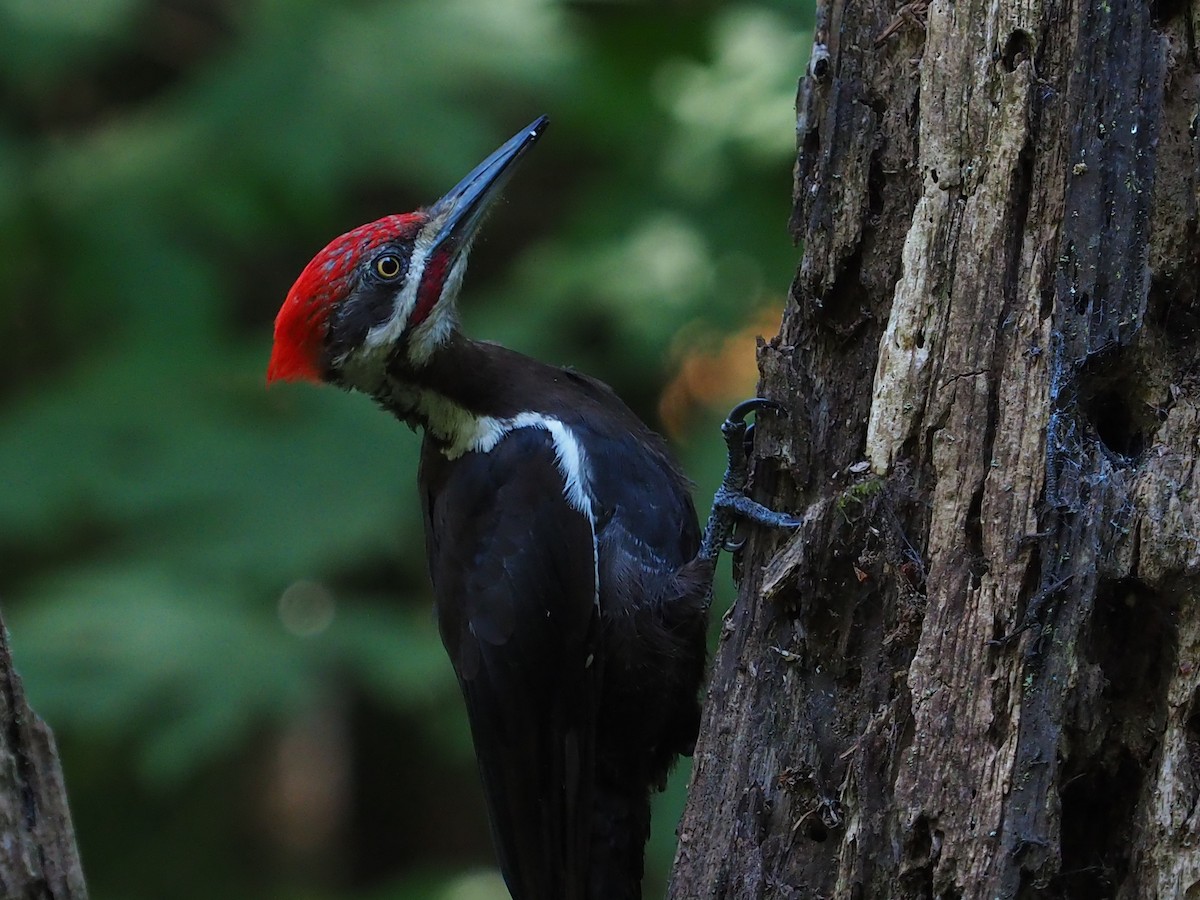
(388, 287)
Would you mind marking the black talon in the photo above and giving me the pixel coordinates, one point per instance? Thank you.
(737, 415)
(735, 423)
(731, 503)
(746, 407)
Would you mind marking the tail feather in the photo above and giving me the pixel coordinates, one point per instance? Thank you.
(620, 827)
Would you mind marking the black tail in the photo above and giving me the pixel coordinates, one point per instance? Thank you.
(620, 827)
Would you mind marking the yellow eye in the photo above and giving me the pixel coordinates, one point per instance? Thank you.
(387, 267)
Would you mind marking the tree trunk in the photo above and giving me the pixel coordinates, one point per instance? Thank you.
(38, 859)
(974, 670)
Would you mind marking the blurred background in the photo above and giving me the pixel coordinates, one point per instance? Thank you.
(216, 593)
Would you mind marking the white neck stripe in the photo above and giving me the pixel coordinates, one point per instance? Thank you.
(483, 433)
(569, 457)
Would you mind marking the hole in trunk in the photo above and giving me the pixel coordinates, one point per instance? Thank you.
(1016, 50)
(1134, 641)
(1114, 423)
(1114, 397)
(1097, 824)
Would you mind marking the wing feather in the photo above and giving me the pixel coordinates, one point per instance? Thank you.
(513, 569)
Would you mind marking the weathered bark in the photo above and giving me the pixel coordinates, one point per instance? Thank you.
(38, 859)
(975, 670)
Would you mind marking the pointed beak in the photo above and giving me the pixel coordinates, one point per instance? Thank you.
(460, 211)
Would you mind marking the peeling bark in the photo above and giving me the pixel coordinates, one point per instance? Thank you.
(974, 670)
(38, 859)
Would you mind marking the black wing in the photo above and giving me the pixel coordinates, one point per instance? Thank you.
(514, 575)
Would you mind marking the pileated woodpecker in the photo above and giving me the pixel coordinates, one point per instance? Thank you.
(572, 588)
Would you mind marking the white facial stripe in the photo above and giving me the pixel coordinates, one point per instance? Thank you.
(384, 335)
(437, 326)
(431, 333)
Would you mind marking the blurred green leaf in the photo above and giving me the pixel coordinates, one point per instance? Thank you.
(166, 169)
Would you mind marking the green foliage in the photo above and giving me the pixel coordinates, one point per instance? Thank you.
(190, 564)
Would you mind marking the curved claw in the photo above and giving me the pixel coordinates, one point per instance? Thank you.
(732, 546)
(748, 440)
(738, 414)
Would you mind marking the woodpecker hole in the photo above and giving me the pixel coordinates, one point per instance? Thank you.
(1134, 639)
(918, 866)
(1017, 49)
(1098, 807)
(821, 65)
(920, 841)
(1117, 405)
(845, 305)
(1132, 646)
(1163, 11)
(1114, 424)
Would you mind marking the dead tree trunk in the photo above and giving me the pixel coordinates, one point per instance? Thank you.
(38, 859)
(975, 670)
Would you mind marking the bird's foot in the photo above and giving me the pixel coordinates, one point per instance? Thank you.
(747, 510)
(731, 505)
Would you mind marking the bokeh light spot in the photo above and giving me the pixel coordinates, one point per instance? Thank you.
(306, 608)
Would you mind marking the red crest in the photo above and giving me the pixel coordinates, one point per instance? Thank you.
(303, 320)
